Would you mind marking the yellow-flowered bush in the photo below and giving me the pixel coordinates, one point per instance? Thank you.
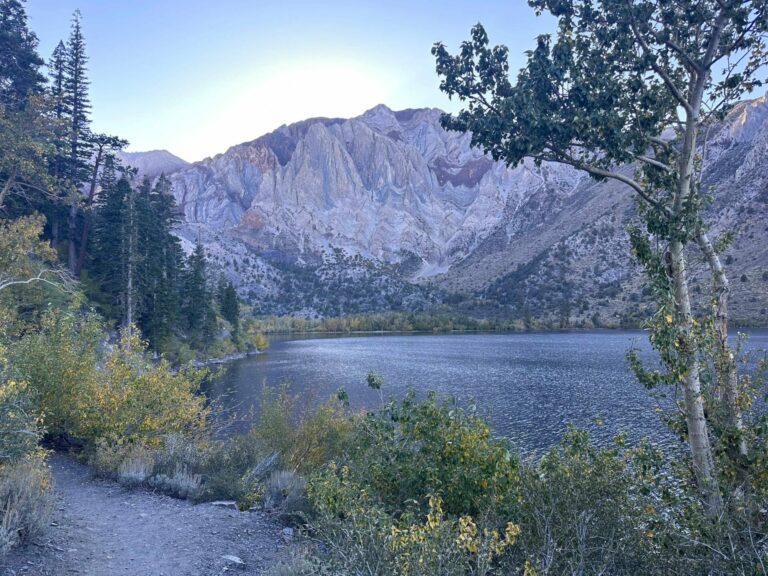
(96, 392)
(364, 538)
(413, 449)
(135, 400)
(58, 362)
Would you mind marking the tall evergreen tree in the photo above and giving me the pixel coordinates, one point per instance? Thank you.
(78, 105)
(24, 126)
(168, 301)
(57, 82)
(19, 61)
(56, 76)
(230, 308)
(111, 231)
(77, 102)
(137, 261)
(198, 311)
(103, 146)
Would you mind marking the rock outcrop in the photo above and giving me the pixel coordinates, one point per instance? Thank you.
(391, 198)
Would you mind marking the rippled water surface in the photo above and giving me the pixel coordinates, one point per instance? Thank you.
(529, 385)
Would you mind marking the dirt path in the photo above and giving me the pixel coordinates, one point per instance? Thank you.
(102, 529)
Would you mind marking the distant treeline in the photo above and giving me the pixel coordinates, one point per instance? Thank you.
(407, 322)
(383, 322)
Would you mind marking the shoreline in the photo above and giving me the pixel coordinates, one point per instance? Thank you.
(225, 359)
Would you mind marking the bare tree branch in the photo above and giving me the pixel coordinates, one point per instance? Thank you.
(63, 283)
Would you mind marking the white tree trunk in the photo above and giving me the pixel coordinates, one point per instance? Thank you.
(727, 374)
(698, 434)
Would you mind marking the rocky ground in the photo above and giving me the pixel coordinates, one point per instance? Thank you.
(102, 529)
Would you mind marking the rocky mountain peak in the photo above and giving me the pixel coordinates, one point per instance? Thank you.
(152, 163)
(394, 190)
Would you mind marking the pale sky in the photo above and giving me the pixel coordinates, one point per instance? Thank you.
(198, 76)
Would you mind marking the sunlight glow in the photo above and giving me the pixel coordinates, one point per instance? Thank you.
(289, 93)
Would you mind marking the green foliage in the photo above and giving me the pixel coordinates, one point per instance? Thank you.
(23, 254)
(579, 510)
(230, 307)
(77, 105)
(424, 489)
(24, 150)
(197, 308)
(58, 363)
(413, 449)
(305, 439)
(92, 394)
(20, 426)
(363, 538)
(19, 62)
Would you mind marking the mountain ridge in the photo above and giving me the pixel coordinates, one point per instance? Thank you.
(396, 191)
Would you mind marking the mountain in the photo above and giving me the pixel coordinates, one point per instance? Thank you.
(389, 211)
(153, 163)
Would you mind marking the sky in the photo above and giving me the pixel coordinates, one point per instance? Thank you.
(197, 76)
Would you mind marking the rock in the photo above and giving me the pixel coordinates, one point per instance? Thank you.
(152, 163)
(287, 535)
(233, 560)
(229, 504)
(375, 185)
(395, 188)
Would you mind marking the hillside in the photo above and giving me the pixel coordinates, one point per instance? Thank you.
(388, 211)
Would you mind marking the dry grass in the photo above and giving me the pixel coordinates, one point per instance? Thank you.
(26, 501)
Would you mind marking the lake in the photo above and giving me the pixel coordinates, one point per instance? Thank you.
(529, 385)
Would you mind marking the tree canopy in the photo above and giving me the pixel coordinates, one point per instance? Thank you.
(624, 91)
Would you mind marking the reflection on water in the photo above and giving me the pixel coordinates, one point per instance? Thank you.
(529, 385)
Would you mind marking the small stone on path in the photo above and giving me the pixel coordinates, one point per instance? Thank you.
(233, 560)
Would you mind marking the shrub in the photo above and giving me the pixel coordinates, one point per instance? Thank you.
(580, 512)
(221, 348)
(306, 439)
(180, 484)
(411, 450)
(286, 493)
(19, 423)
(136, 466)
(25, 496)
(119, 395)
(137, 401)
(26, 502)
(302, 561)
(227, 470)
(58, 362)
(362, 538)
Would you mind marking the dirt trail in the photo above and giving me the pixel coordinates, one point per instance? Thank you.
(102, 529)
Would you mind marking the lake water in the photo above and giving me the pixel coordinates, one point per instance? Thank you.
(529, 385)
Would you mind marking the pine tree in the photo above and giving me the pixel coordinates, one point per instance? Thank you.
(230, 308)
(104, 146)
(76, 100)
(24, 125)
(19, 61)
(57, 81)
(77, 103)
(168, 257)
(56, 75)
(198, 312)
(137, 261)
(115, 240)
